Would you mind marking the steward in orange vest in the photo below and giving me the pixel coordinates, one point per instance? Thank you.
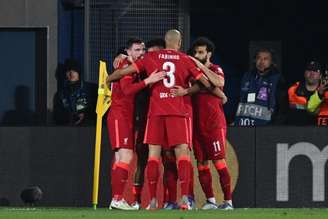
(299, 95)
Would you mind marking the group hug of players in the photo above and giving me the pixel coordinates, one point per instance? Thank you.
(180, 110)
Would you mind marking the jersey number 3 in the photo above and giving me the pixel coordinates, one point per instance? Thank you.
(169, 67)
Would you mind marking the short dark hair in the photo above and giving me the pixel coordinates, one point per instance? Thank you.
(203, 41)
(72, 64)
(269, 51)
(155, 42)
(132, 41)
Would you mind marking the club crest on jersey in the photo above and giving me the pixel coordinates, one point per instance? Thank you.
(125, 140)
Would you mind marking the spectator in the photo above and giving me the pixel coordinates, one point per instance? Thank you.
(71, 102)
(299, 94)
(318, 102)
(263, 97)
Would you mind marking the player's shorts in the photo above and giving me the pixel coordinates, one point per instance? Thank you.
(167, 131)
(121, 133)
(209, 145)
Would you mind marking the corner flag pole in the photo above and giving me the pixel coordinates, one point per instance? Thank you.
(103, 103)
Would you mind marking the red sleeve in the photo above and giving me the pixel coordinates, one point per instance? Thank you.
(192, 68)
(218, 70)
(139, 65)
(128, 87)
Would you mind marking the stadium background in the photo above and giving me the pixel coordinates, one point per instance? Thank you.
(37, 36)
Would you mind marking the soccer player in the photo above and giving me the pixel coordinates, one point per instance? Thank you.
(167, 116)
(209, 137)
(142, 103)
(120, 120)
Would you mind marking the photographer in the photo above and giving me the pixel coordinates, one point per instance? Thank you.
(318, 102)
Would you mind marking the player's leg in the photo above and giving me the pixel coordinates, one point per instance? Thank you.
(152, 170)
(178, 137)
(225, 182)
(191, 185)
(121, 138)
(142, 156)
(182, 154)
(205, 179)
(219, 144)
(154, 137)
(204, 173)
(120, 173)
(170, 177)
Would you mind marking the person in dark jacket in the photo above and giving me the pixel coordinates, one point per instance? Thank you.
(71, 102)
(263, 96)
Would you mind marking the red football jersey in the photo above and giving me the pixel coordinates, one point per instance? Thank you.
(180, 68)
(123, 93)
(208, 109)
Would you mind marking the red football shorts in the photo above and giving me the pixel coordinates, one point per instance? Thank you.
(210, 145)
(121, 133)
(167, 131)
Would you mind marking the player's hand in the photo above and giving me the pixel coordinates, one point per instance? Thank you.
(224, 99)
(118, 60)
(155, 76)
(130, 59)
(178, 91)
(323, 87)
(197, 62)
(107, 81)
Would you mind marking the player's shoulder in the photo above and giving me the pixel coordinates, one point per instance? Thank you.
(151, 54)
(125, 63)
(216, 68)
(183, 55)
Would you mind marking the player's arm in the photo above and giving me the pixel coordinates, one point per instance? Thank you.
(197, 74)
(119, 73)
(118, 60)
(179, 91)
(205, 81)
(215, 79)
(219, 93)
(128, 87)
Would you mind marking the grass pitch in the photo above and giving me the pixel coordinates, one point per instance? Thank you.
(86, 213)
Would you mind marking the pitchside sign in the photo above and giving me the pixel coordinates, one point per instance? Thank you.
(291, 167)
(270, 166)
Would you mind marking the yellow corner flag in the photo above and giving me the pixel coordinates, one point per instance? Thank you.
(104, 94)
(103, 103)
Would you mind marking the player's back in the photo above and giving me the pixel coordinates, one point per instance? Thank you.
(179, 68)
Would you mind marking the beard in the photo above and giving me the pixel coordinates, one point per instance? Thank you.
(203, 61)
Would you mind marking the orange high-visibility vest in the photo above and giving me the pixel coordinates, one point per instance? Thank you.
(295, 101)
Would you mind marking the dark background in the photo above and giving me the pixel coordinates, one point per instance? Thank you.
(298, 26)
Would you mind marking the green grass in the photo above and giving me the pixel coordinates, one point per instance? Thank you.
(86, 213)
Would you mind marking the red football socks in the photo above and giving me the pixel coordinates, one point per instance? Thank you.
(205, 179)
(225, 179)
(120, 173)
(184, 166)
(152, 175)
